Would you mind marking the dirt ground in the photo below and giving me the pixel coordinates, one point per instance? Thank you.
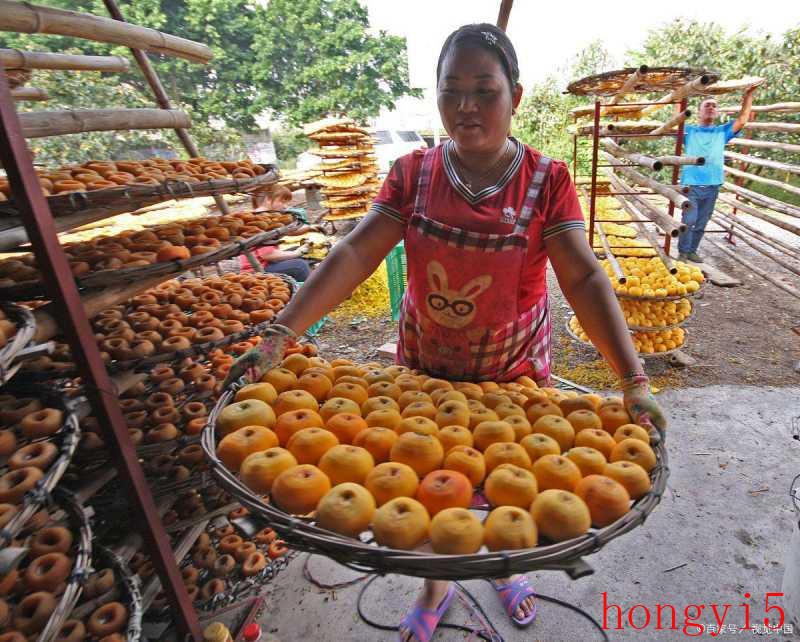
(738, 335)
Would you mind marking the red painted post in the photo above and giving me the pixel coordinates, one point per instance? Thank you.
(593, 193)
(60, 287)
(676, 170)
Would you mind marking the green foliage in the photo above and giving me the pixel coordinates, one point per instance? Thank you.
(289, 145)
(300, 59)
(543, 116)
(316, 58)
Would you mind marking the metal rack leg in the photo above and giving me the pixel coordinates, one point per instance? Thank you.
(60, 286)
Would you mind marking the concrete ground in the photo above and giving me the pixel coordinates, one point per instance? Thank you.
(721, 530)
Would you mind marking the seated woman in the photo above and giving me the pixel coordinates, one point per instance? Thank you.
(273, 259)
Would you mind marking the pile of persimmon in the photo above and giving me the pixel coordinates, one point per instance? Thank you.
(31, 591)
(221, 558)
(157, 244)
(95, 175)
(26, 426)
(383, 448)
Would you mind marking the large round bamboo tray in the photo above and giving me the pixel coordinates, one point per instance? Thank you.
(127, 198)
(26, 327)
(642, 355)
(79, 523)
(654, 79)
(107, 278)
(67, 439)
(364, 555)
(644, 328)
(689, 295)
(127, 590)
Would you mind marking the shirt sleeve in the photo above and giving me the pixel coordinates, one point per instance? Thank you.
(727, 129)
(396, 196)
(562, 208)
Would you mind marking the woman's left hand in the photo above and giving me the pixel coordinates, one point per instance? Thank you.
(641, 404)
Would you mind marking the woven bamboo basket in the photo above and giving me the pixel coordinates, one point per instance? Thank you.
(107, 278)
(127, 198)
(26, 328)
(127, 590)
(676, 297)
(652, 80)
(364, 555)
(642, 355)
(78, 522)
(67, 439)
(644, 328)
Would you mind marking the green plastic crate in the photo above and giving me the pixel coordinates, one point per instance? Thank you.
(396, 272)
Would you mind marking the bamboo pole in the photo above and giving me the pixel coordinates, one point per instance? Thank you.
(663, 220)
(784, 108)
(783, 128)
(693, 86)
(757, 270)
(635, 211)
(666, 191)
(640, 159)
(749, 209)
(627, 86)
(162, 100)
(37, 124)
(730, 219)
(16, 59)
(762, 200)
(21, 94)
(505, 12)
(28, 18)
(673, 122)
(764, 162)
(615, 266)
(760, 179)
(681, 160)
(749, 241)
(765, 144)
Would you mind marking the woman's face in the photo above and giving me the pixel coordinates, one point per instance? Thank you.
(475, 99)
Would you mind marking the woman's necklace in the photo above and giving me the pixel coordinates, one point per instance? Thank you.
(481, 178)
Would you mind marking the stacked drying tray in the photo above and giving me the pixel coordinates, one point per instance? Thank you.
(349, 170)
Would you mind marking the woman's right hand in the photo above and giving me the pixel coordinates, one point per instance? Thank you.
(265, 356)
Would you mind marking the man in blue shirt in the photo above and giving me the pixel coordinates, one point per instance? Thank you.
(708, 140)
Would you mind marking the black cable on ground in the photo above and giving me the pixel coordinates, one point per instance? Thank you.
(492, 635)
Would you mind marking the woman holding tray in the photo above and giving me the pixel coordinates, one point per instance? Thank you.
(480, 216)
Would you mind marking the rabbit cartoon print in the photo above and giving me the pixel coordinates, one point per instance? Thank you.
(453, 309)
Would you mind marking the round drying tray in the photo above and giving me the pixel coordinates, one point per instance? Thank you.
(26, 328)
(66, 441)
(78, 523)
(642, 355)
(108, 278)
(653, 80)
(364, 555)
(643, 328)
(676, 297)
(126, 590)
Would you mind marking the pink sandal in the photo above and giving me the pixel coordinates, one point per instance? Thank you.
(514, 594)
(422, 622)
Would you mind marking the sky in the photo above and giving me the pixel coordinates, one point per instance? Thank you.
(548, 34)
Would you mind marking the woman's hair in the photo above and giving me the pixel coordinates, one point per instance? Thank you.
(483, 36)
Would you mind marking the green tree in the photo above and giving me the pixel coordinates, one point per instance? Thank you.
(259, 64)
(543, 117)
(317, 57)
